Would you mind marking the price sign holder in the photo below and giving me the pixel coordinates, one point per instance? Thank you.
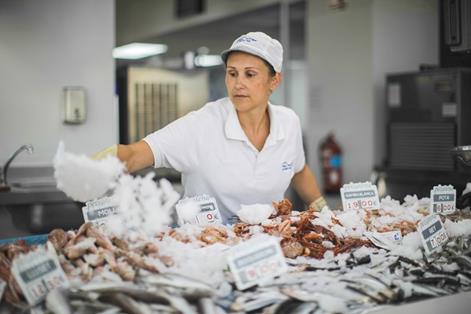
(98, 211)
(208, 214)
(432, 233)
(37, 273)
(385, 240)
(255, 261)
(359, 196)
(443, 199)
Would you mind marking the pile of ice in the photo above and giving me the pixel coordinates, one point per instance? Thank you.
(255, 213)
(143, 206)
(82, 178)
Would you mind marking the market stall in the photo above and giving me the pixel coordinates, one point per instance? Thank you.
(275, 259)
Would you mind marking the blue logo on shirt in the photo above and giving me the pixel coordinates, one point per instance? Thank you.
(286, 166)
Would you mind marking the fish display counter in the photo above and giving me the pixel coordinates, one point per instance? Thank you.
(125, 257)
(332, 267)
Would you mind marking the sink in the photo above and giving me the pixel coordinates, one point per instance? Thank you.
(36, 206)
(34, 186)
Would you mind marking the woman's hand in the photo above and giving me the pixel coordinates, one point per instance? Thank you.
(135, 156)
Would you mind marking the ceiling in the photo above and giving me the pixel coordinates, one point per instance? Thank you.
(218, 35)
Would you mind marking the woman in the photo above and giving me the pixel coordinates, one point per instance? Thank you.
(240, 149)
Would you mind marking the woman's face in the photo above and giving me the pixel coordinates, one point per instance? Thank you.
(249, 82)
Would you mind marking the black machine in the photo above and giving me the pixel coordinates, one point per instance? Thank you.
(428, 114)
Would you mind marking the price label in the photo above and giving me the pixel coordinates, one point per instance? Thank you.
(37, 273)
(442, 199)
(98, 211)
(256, 260)
(207, 214)
(359, 196)
(385, 240)
(433, 233)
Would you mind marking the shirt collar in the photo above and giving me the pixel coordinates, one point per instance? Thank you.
(276, 131)
(234, 130)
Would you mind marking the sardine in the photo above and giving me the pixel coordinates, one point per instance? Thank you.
(207, 306)
(57, 301)
(126, 303)
(257, 301)
(187, 285)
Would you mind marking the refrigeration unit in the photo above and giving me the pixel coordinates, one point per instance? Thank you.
(428, 113)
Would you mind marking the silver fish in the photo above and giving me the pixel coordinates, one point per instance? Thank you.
(257, 301)
(126, 303)
(189, 286)
(57, 301)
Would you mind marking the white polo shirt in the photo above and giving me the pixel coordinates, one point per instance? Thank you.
(215, 157)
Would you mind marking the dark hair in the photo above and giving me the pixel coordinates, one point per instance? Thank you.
(271, 70)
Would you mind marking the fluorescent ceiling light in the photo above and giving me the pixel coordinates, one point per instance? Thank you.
(208, 60)
(138, 50)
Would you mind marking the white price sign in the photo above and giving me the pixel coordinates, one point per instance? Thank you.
(442, 199)
(98, 211)
(385, 240)
(37, 273)
(433, 233)
(359, 195)
(256, 260)
(208, 211)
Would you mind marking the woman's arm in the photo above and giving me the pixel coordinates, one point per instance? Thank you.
(135, 156)
(305, 184)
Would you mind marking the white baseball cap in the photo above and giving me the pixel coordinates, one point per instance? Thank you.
(260, 45)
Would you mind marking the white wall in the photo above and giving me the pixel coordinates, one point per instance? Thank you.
(349, 53)
(405, 35)
(44, 46)
(340, 83)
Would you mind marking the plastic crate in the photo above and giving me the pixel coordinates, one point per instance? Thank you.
(30, 240)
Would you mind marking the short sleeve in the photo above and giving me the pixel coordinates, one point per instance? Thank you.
(175, 145)
(300, 158)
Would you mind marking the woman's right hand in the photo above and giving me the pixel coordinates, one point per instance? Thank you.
(135, 156)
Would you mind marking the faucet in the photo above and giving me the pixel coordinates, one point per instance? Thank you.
(3, 175)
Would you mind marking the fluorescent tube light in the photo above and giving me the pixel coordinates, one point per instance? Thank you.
(208, 60)
(138, 50)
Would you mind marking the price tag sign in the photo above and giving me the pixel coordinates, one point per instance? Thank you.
(442, 199)
(208, 211)
(359, 196)
(385, 240)
(98, 211)
(433, 233)
(37, 273)
(256, 260)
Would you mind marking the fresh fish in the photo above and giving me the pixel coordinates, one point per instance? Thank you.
(257, 301)
(95, 306)
(325, 301)
(126, 303)
(463, 260)
(57, 301)
(207, 306)
(189, 286)
(295, 307)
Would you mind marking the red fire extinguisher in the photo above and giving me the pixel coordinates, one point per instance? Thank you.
(331, 164)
